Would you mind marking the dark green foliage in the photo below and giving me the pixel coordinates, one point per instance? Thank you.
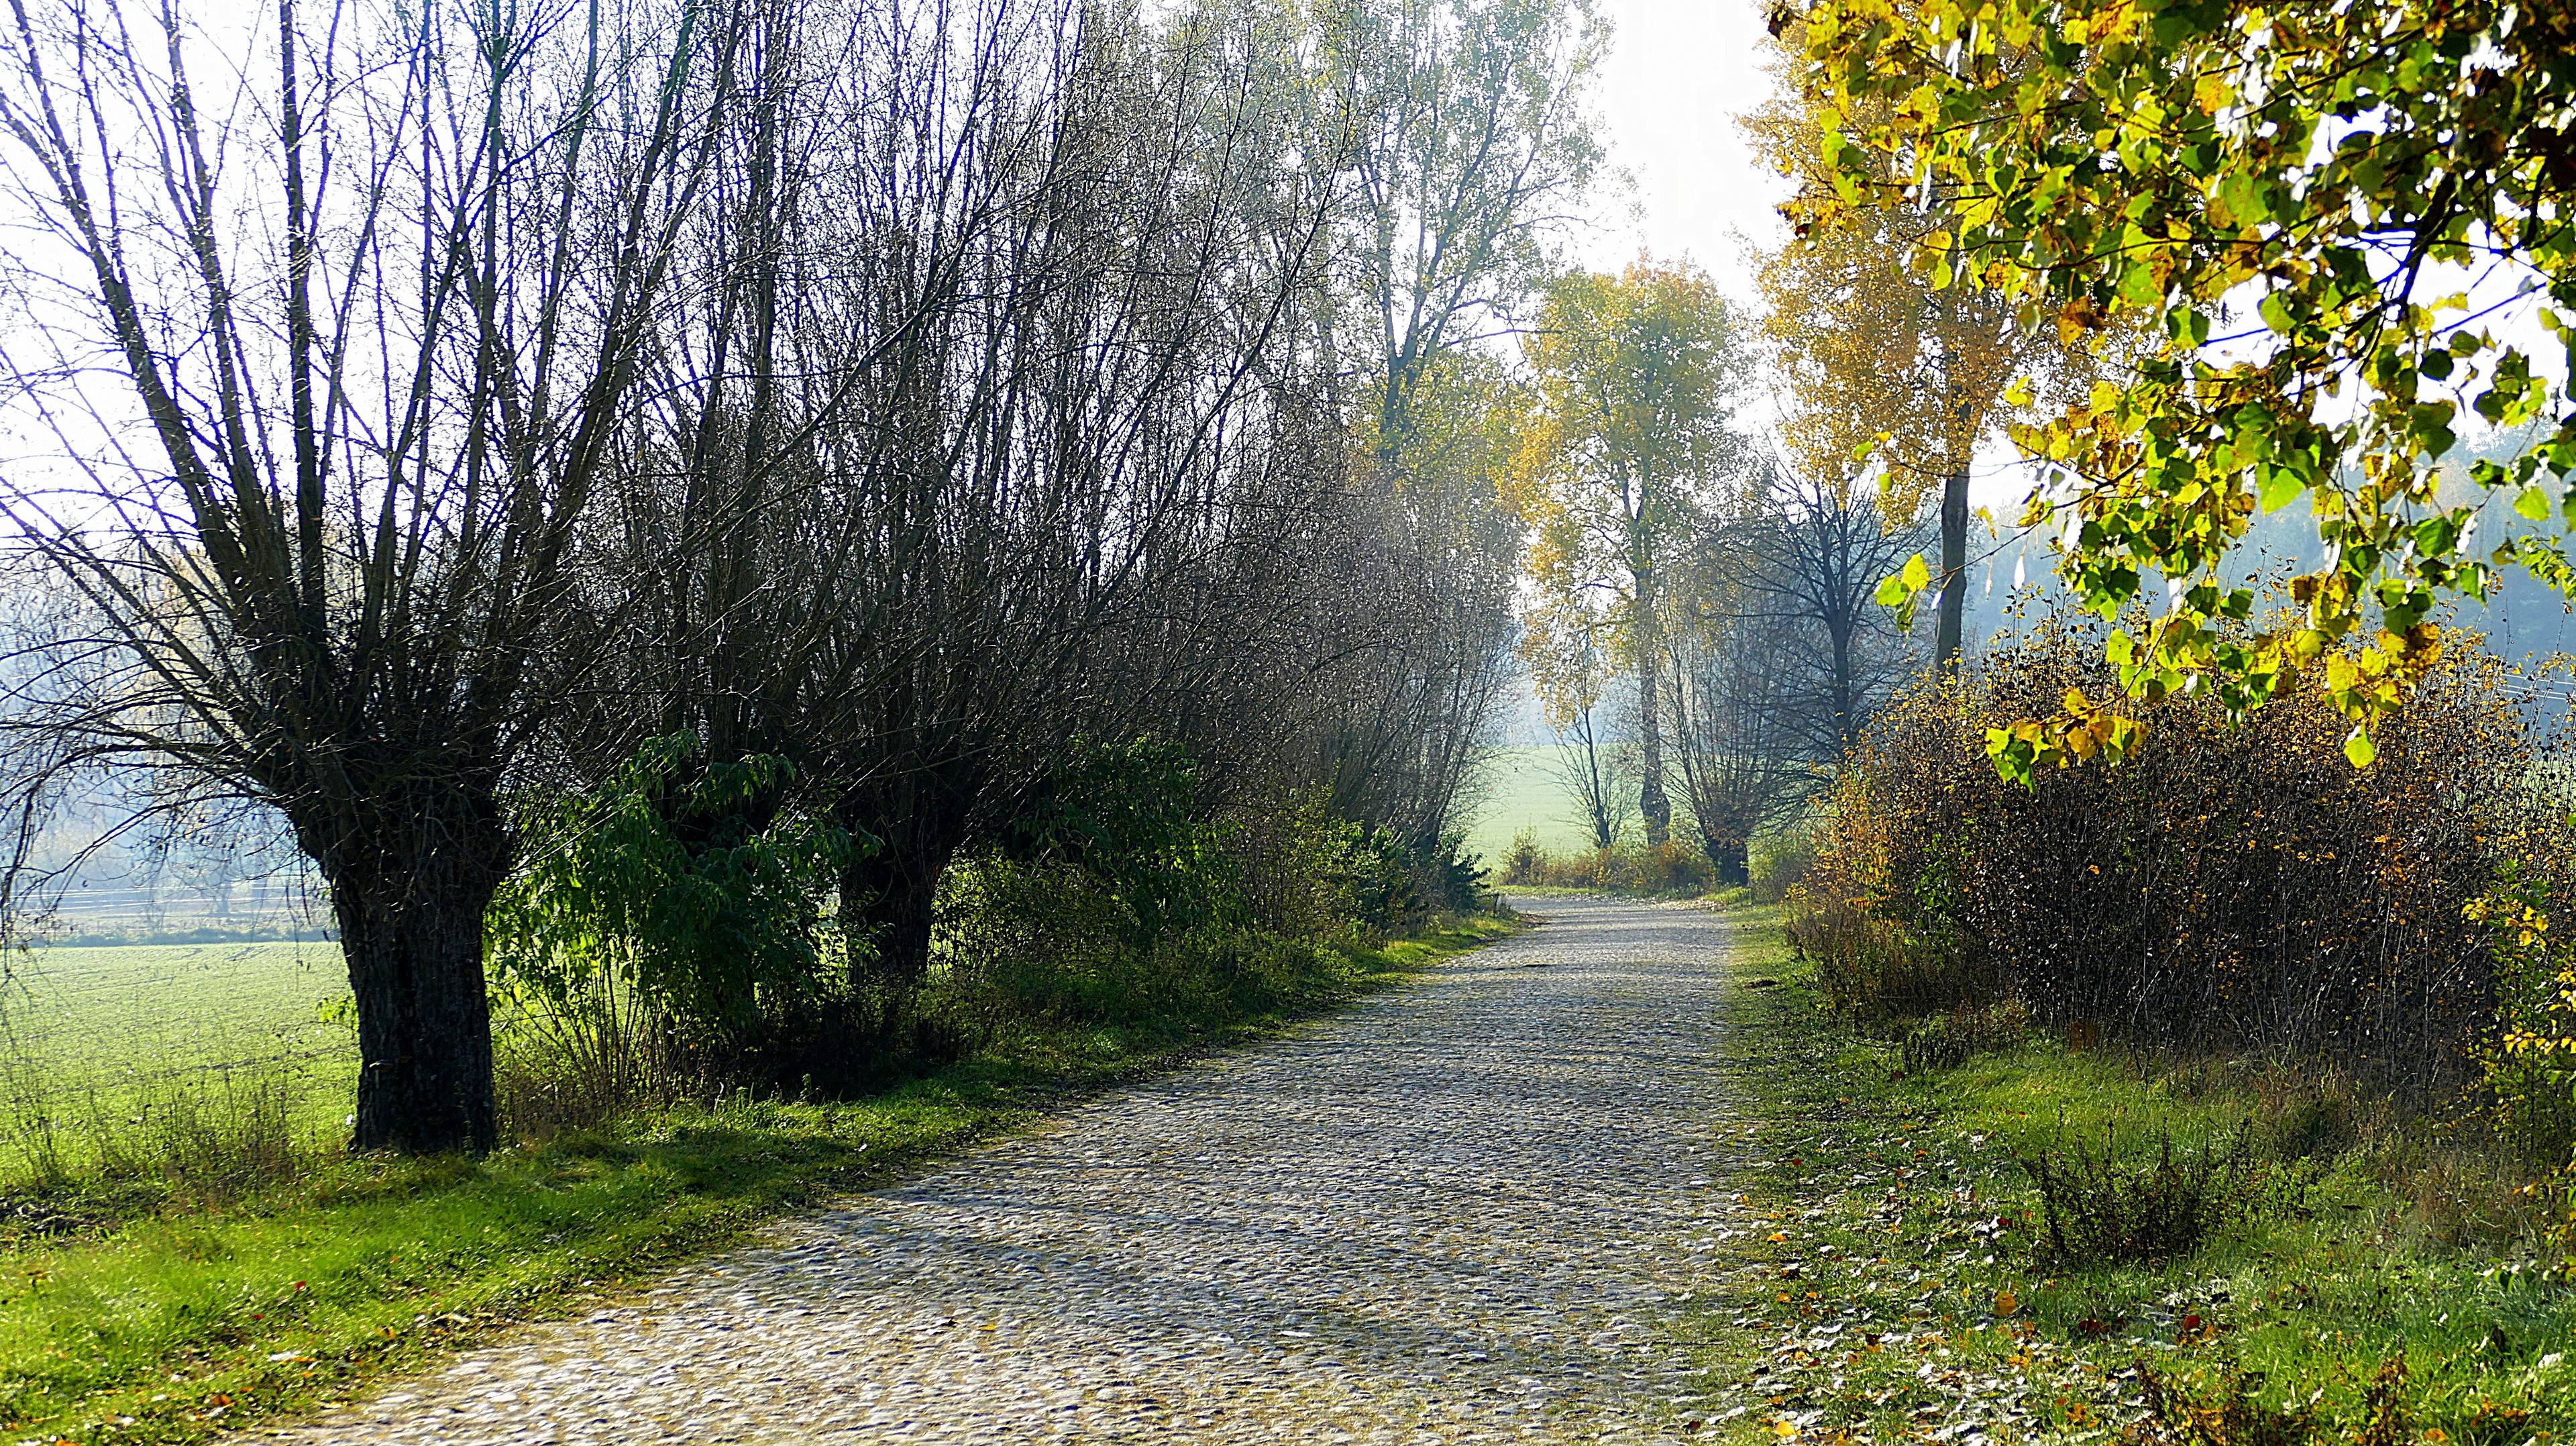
(1448, 879)
(691, 879)
(2157, 1203)
(1125, 817)
(1119, 901)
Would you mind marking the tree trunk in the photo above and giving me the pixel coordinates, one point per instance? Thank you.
(1954, 572)
(1731, 858)
(890, 894)
(411, 912)
(1653, 806)
(892, 897)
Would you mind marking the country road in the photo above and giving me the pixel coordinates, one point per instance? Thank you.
(1457, 1212)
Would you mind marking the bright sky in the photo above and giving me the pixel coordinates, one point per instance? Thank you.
(1678, 74)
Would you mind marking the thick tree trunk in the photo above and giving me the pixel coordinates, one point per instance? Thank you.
(1954, 572)
(410, 908)
(890, 894)
(890, 900)
(1731, 858)
(1654, 806)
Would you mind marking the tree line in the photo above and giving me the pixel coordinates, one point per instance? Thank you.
(818, 439)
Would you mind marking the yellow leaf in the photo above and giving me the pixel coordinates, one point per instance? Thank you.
(2007, 1303)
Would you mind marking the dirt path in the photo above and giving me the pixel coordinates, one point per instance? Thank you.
(1457, 1213)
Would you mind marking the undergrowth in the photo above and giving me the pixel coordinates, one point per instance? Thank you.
(2246, 1254)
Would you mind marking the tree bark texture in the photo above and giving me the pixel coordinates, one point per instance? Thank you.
(1954, 572)
(410, 897)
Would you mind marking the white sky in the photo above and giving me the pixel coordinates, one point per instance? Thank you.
(1678, 74)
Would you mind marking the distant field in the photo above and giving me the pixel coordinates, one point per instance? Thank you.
(1521, 791)
(95, 1036)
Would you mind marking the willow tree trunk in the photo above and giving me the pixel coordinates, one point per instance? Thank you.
(917, 818)
(410, 895)
(1954, 573)
(1730, 856)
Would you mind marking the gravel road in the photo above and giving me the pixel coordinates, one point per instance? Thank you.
(1458, 1212)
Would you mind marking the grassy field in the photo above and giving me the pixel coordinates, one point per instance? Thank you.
(194, 1316)
(1885, 1274)
(1520, 789)
(96, 1043)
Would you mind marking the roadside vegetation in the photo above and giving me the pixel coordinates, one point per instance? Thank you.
(183, 1264)
(2220, 1096)
(2025, 1232)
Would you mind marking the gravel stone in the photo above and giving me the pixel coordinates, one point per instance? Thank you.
(1453, 1213)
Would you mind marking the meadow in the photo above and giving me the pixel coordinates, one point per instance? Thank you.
(108, 1050)
(1517, 790)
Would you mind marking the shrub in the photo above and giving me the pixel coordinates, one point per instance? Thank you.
(2232, 886)
(1675, 868)
(2115, 1205)
(2529, 1061)
(578, 1057)
(1779, 860)
(688, 880)
(1946, 1041)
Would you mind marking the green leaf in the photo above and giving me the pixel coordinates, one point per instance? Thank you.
(2359, 748)
(2532, 504)
(2280, 487)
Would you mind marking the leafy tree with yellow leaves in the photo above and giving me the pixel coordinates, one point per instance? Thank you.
(1633, 379)
(1881, 357)
(2379, 183)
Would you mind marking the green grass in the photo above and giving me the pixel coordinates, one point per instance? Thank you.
(179, 1322)
(1880, 1272)
(1520, 789)
(93, 1037)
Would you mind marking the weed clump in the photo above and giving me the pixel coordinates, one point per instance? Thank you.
(2238, 1411)
(2160, 1203)
(1951, 1039)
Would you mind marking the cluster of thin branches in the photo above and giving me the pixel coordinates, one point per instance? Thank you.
(436, 402)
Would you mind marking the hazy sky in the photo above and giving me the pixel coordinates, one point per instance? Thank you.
(1679, 72)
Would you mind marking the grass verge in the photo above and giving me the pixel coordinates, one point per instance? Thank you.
(178, 1324)
(1884, 1273)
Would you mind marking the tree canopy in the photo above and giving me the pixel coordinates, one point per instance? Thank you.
(2378, 190)
(1632, 383)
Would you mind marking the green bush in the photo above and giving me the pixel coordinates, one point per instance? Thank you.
(691, 881)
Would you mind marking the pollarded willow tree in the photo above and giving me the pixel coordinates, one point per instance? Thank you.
(1634, 378)
(1468, 152)
(2380, 184)
(337, 321)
